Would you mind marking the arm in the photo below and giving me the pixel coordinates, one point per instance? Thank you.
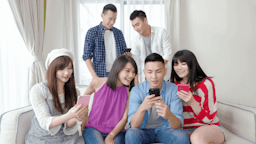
(89, 47)
(42, 112)
(206, 112)
(89, 65)
(135, 53)
(166, 47)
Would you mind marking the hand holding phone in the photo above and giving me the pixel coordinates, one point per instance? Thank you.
(155, 91)
(184, 87)
(127, 50)
(84, 100)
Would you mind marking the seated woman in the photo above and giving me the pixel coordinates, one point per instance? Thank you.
(109, 111)
(56, 118)
(199, 104)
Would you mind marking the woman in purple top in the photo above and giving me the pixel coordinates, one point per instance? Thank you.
(109, 111)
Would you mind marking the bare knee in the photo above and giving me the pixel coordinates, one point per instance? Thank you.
(196, 138)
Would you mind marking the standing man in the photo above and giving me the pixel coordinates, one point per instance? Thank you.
(103, 43)
(149, 40)
(155, 118)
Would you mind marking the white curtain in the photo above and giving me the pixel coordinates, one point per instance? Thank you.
(172, 13)
(14, 62)
(29, 16)
(61, 29)
(90, 11)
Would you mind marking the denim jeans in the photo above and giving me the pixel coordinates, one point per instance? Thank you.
(167, 136)
(93, 136)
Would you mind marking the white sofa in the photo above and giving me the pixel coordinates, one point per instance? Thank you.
(239, 123)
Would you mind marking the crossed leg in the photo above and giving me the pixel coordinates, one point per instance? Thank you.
(207, 135)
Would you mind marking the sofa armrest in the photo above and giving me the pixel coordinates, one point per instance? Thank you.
(15, 124)
(238, 119)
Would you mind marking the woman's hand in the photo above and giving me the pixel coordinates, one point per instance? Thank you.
(75, 111)
(83, 115)
(186, 96)
(109, 139)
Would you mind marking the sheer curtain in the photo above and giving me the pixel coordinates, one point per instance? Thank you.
(14, 63)
(29, 17)
(172, 11)
(90, 11)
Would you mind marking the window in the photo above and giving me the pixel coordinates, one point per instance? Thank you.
(90, 16)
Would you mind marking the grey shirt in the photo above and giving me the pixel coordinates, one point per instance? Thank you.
(147, 42)
(154, 120)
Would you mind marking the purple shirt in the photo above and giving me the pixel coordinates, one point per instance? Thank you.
(108, 108)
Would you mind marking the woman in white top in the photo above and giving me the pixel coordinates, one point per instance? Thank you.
(57, 118)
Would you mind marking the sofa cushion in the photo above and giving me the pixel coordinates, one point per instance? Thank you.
(239, 119)
(15, 125)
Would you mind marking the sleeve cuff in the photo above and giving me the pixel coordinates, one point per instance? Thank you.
(167, 57)
(53, 130)
(72, 130)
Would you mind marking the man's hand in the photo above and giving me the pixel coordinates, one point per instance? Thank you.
(162, 109)
(149, 102)
(128, 53)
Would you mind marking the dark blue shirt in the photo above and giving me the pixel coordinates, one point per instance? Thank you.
(94, 47)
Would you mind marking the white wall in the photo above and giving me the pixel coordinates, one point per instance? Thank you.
(222, 34)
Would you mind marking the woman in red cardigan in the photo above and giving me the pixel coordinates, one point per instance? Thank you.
(199, 104)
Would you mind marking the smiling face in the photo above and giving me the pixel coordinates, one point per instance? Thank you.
(126, 75)
(108, 19)
(140, 25)
(64, 74)
(154, 73)
(181, 69)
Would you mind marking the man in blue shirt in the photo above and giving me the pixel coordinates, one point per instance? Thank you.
(155, 119)
(103, 43)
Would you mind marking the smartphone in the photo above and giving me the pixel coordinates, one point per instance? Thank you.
(84, 100)
(154, 91)
(127, 50)
(184, 87)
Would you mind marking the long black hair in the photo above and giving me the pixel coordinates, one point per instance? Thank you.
(196, 74)
(119, 63)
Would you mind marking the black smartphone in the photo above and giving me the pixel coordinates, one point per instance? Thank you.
(154, 91)
(127, 50)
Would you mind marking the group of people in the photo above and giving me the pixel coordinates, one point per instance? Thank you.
(120, 84)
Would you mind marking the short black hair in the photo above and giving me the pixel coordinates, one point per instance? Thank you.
(109, 7)
(138, 13)
(154, 57)
(120, 63)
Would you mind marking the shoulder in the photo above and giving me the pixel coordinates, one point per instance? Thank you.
(170, 84)
(38, 90)
(93, 29)
(140, 88)
(158, 29)
(170, 87)
(98, 82)
(206, 85)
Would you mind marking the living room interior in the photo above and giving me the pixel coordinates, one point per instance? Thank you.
(221, 33)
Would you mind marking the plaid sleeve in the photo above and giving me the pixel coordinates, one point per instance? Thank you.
(89, 44)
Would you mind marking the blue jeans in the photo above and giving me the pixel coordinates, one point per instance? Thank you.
(167, 136)
(93, 136)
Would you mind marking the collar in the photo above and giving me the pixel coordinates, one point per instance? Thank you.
(163, 88)
(103, 28)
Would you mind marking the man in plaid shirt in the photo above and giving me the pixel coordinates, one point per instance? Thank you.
(103, 43)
